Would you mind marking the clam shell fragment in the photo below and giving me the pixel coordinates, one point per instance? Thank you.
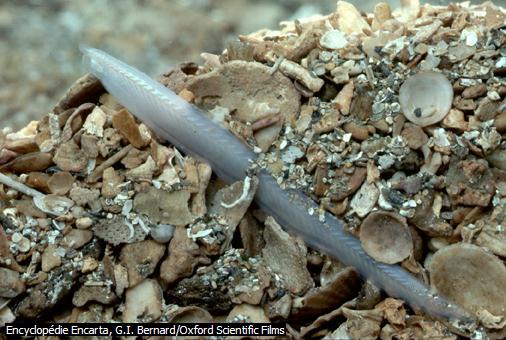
(53, 204)
(426, 98)
(470, 276)
(190, 314)
(386, 237)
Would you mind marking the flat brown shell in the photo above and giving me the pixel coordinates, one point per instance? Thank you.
(470, 276)
(249, 90)
(386, 237)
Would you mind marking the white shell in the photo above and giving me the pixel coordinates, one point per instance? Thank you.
(53, 204)
(426, 98)
(162, 233)
(333, 40)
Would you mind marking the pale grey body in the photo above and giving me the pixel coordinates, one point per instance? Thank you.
(191, 131)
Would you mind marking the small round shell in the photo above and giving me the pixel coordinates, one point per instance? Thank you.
(426, 98)
(162, 233)
(470, 276)
(386, 237)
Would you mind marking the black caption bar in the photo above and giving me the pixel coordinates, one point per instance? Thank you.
(149, 329)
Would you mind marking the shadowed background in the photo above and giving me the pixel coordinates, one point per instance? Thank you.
(40, 59)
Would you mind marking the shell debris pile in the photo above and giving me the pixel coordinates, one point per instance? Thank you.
(391, 120)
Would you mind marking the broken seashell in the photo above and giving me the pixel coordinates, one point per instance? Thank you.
(280, 308)
(143, 303)
(286, 258)
(470, 276)
(382, 13)
(363, 324)
(493, 234)
(124, 122)
(53, 204)
(86, 294)
(70, 157)
(393, 310)
(385, 236)
(140, 259)
(164, 207)
(489, 320)
(231, 203)
(426, 98)
(333, 40)
(94, 124)
(344, 286)
(470, 183)
(184, 256)
(246, 312)
(414, 136)
(190, 314)
(118, 230)
(274, 94)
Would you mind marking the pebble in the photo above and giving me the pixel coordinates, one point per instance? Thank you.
(474, 91)
(89, 265)
(455, 120)
(471, 38)
(76, 238)
(111, 180)
(39, 181)
(50, 258)
(60, 183)
(414, 136)
(84, 222)
(344, 98)
(100, 294)
(16, 237)
(10, 283)
(500, 122)
(358, 132)
(35, 161)
(291, 154)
